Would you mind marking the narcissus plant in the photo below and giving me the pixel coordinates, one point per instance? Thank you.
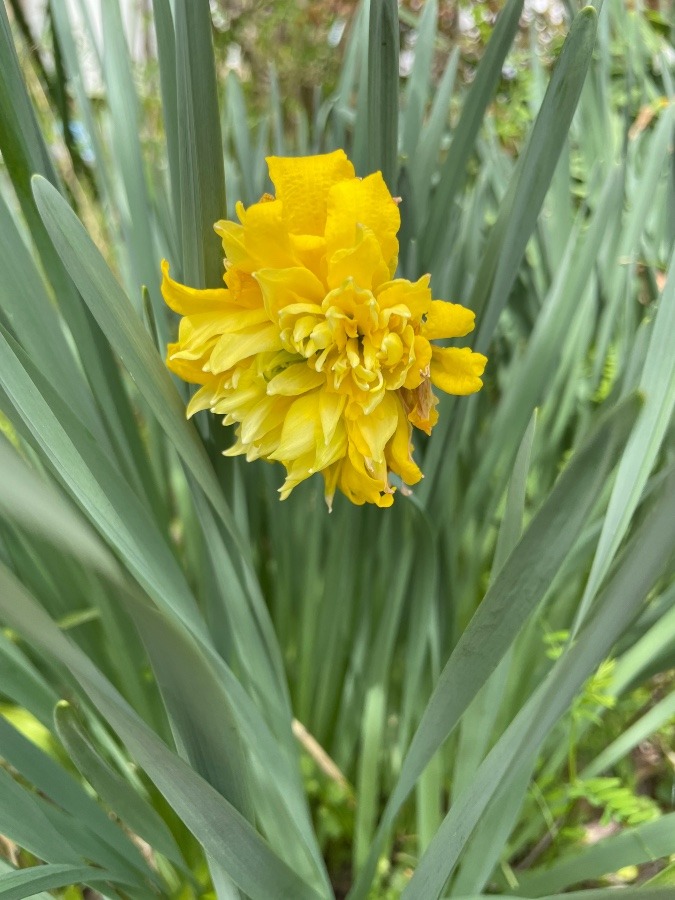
(321, 357)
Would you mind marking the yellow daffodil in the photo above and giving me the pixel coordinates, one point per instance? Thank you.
(320, 356)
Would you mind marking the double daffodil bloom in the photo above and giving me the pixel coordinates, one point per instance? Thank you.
(314, 350)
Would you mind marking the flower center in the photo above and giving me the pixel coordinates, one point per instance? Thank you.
(362, 348)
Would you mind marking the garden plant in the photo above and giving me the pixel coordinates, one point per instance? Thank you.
(392, 613)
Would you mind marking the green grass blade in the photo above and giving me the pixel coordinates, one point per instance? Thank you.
(608, 893)
(27, 882)
(658, 386)
(23, 149)
(202, 177)
(534, 376)
(646, 726)
(136, 211)
(126, 802)
(99, 488)
(383, 41)
(519, 587)
(521, 207)
(23, 684)
(199, 709)
(645, 843)
(201, 724)
(35, 322)
(429, 146)
(644, 559)
(166, 53)
(223, 832)
(417, 90)
(116, 317)
(453, 173)
(111, 846)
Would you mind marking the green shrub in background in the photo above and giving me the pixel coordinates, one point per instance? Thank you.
(194, 660)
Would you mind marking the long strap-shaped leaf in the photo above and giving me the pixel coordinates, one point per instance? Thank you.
(644, 843)
(517, 217)
(200, 145)
(27, 882)
(225, 835)
(111, 308)
(453, 173)
(642, 563)
(627, 893)
(519, 587)
(182, 668)
(658, 384)
(522, 204)
(383, 94)
(110, 846)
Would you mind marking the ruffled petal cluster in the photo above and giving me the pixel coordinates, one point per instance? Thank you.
(322, 359)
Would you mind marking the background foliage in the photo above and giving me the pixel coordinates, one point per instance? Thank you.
(208, 693)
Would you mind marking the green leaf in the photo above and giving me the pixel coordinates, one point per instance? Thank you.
(200, 724)
(627, 893)
(429, 146)
(522, 204)
(225, 835)
(116, 317)
(132, 809)
(632, 847)
(418, 82)
(199, 709)
(518, 589)
(78, 815)
(647, 725)
(200, 144)
(658, 386)
(453, 174)
(383, 94)
(99, 488)
(27, 882)
(643, 561)
(166, 53)
(35, 321)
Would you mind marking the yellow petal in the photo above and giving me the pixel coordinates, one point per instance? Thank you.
(232, 348)
(298, 470)
(447, 320)
(331, 476)
(267, 415)
(362, 486)
(245, 289)
(331, 407)
(420, 404)
(204, 398)
(414, 296)
(457, 370)
(363, 263)
(300, 428)
(331, 451)
(195, 332)
(302, 185)
(186, 300)
(232, 236)
(371, 433)
(294, 380)
(399, 451)
(310, 251)
(189, 370)
(285, 286)
(363, 202)
(416, 372)
(266, 237)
